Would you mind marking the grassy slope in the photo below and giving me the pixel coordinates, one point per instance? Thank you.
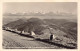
(64, 29)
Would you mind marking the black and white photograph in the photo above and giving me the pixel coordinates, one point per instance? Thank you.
(39, 25)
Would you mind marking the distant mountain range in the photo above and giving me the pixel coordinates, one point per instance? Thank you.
(38, 14)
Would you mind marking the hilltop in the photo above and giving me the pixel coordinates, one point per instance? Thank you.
(38, 25)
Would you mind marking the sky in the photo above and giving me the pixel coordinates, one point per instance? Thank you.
(22, 7)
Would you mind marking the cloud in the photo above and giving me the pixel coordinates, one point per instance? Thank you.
(40, 6)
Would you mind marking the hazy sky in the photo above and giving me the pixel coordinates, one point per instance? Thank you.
(14, 7)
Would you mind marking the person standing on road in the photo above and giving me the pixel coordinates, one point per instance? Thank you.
(51, 37)
(51, 34)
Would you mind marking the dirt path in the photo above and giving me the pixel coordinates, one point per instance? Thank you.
(12, 40)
